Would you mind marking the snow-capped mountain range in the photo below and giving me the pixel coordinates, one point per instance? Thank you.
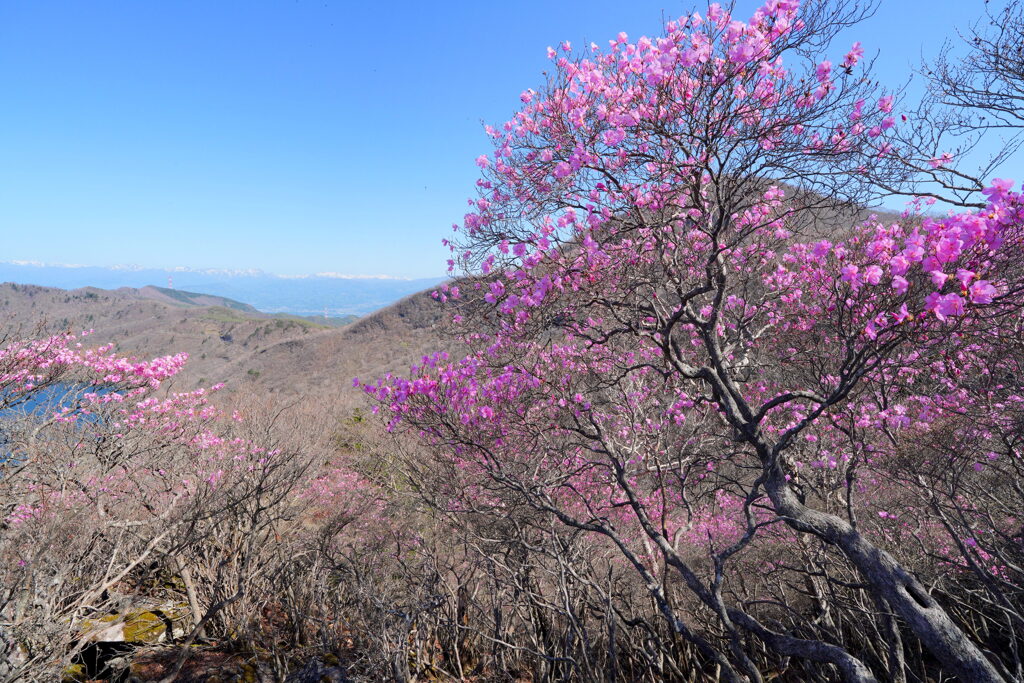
(314, 294)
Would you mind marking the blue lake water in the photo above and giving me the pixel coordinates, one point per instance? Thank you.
(41, 402)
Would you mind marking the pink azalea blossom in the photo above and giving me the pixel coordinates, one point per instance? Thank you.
(945, 305)
(998, 188)
(948, 249)
(741, 53)
(982, 292)
(851, 275)
(823, 70)
(938, 278)
(853, 56)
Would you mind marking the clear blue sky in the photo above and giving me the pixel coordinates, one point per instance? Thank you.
(295, 137)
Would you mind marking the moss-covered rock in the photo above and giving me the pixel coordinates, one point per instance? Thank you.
(248, 673)
(142, 626)
(74, 674)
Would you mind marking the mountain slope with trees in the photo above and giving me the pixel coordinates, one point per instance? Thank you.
(229, 341)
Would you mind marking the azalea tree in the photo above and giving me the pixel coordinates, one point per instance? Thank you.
(801, 436)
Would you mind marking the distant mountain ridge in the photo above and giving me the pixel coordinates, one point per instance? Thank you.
(244, 348)
(183, 298)
(330, 294)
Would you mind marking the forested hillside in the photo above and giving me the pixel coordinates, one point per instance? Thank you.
(228, 341)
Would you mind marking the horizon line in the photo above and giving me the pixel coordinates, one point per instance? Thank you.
(250, 272)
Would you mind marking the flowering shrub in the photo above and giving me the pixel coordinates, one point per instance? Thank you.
(117, 495)
(665, 350)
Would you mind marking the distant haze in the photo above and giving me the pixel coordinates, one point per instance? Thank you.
(333, 293)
